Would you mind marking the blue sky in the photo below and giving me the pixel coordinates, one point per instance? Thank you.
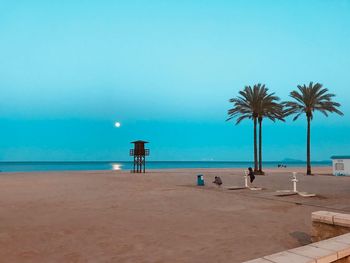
(165, 70)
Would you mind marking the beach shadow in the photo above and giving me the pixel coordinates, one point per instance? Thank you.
(302, 237)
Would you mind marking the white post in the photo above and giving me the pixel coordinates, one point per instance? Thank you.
(294, 180)
(246, 179)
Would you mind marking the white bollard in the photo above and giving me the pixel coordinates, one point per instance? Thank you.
(246, 179)
(294, 180)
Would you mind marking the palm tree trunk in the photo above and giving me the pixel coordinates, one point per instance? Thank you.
(260, 145)
(255, 147)
(308, 154)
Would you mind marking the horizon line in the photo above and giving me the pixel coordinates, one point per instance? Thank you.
(111, 161)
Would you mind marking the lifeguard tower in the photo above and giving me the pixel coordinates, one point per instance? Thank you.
(139, 152)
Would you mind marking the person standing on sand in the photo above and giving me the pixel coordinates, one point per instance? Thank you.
(251, 174)
(217, 181)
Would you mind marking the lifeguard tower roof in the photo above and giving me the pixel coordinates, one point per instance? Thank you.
(139, 141)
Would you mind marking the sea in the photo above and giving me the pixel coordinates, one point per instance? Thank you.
(126, 165)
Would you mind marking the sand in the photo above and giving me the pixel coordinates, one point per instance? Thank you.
(161, 216)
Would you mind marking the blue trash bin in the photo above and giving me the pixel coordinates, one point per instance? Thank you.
(200, 180)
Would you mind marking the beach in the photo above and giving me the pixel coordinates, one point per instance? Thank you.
(160, 216)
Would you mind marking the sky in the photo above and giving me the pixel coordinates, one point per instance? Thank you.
(165, 70)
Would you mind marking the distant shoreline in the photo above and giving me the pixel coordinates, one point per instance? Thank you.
(150, 166)
(301, 171)
(129, 161)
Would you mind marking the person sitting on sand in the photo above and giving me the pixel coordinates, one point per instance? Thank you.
(217, 181)
(251, 174)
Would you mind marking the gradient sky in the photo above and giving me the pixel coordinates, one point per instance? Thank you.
(165, 70)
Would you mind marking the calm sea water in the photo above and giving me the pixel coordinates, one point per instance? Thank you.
(111, 165)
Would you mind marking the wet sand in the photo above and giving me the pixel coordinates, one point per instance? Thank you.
(115, 216)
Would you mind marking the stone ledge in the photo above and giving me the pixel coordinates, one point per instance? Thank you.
(343, 239)
(258, 260)
(323, 217)
(341, 220)
(327, 225)
(316, 253)
(342, 249)
(331, 218)
(326, 251)
(289, 257)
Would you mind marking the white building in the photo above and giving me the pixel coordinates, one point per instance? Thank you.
(341, 165)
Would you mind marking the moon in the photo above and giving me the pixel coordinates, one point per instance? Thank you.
(117, 124)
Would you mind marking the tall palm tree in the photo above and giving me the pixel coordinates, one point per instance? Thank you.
(255, 104)
(309, 99)
(269, 108)
(246, 106)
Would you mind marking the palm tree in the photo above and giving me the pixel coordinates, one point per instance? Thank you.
(309, 99)
(255, 103)
(271, 109)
